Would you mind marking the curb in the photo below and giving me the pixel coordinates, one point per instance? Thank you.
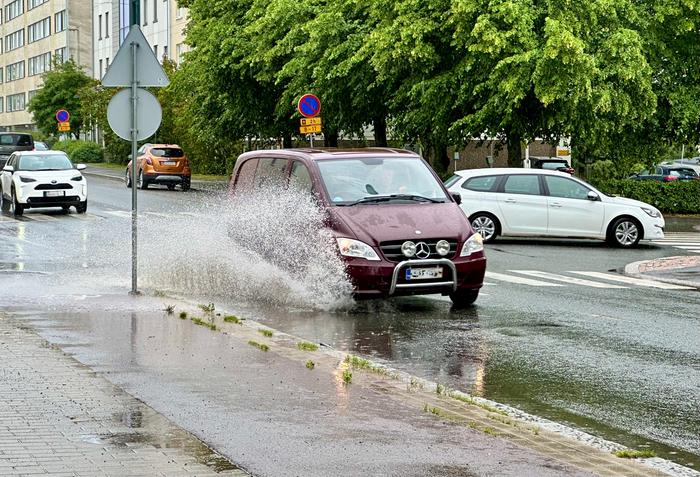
(632, 270)
(199, 185)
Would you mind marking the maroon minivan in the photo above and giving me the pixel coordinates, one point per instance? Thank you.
(397, 228)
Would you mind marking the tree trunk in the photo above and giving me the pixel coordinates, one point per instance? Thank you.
(515, 150)
(379, 131)
(330, 139)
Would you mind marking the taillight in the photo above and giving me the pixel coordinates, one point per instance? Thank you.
(149, 161)
(670, 178)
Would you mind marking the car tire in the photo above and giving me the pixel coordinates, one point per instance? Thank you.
(185, 184)
(625, 232)
(486, 224)
(66, 208)
(17, 208)
(82, 207)
(142, 182)
(464, 298)
(127, 179)
(171, 186)
(4, 203)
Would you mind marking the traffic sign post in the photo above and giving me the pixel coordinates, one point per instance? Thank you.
(134, 65)
(62, 116)
(309, 106)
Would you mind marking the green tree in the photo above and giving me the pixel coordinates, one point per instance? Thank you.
(60, 91)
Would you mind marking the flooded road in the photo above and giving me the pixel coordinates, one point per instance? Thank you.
(621, 361)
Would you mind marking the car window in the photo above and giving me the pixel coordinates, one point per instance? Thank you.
(53, 162)
(300, 178)
(566, 188)
(452, 180)
(522, 184)
(484, 184)
(270, 172)
(246, 175)
(15, 139)
(167, 152)
(553, 165)
(674, 173)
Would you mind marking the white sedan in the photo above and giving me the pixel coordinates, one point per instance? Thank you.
(41, 179)
(536, 202)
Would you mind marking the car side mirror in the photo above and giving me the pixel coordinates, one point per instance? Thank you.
(593, 196)
(457, 197)
(129, 157)
(8, 169)
(80, 167)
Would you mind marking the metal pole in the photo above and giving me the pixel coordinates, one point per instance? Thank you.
(134, 167)
(682, 153)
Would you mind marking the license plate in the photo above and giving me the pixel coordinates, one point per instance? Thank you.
(167, 163)
(423, 273)
(54, 193)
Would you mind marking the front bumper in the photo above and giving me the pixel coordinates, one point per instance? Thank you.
(28, 196)
(653, 229)
(383, 278)
(164, 178)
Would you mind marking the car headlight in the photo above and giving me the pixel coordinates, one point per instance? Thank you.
(474, 244)
(408, 249)
(651, 212)
(77, 178)
(26, 179)
(442, 247)
(355, 248)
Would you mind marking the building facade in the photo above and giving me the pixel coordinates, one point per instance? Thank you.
(161, 21)
(32, 34)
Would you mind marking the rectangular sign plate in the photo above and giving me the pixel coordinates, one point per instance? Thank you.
(54, 193)
(423, 273)
(310, 129)
(310, 121)
(167, 163)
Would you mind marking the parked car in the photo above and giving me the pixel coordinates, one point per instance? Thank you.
(397, 229)
(11, 142)
(538, 202)
(691, 163)
(553, 164)
(161, 164)
(667, 173)
(42, 179)
(41, 146)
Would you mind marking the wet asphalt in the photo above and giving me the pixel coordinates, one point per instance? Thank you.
(621, 363)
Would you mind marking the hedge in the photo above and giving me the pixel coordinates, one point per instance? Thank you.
(81, 151)
(676, 197)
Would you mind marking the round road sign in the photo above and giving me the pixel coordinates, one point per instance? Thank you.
(148, 114)
(62, 116)
(309, 106)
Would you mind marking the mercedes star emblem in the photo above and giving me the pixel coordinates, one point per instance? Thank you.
(422, 250)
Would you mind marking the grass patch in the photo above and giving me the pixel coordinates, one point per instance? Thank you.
(201, 322)
(469, 400)
(439, 389)
(207, 308)
(635, 454)
(170, 309)
(260, 346)
(159, 293)
(233, 319)
(347, 376)
(108, 165)
(306, 346)
(210, 177)
(432, 410)
(490, 431)
(265, 332)
(310, 364)
(361, 363)
(183, 315)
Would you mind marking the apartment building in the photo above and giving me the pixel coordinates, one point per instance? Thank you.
(32, 34)
(161, 21)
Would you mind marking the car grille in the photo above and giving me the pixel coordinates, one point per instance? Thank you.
(392, 249)
(53, 186)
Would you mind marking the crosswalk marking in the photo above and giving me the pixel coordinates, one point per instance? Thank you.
(632, 281)
(520, 280)
(686, 241)
(565, 279)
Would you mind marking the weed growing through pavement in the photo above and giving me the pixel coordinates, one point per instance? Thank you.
(439, 389)
(490, 431)
(201, 322)
(473, 402)
(159, 293)
(170, 309)
(347, 376)
(310, 364)
(207, 308)
(536, 431)
(414, 384)
(306, 346)
(265, 332)
(183, 315)
(233, 319)
(635, 454)
(432, 410)
(260, 346)
(361, 363)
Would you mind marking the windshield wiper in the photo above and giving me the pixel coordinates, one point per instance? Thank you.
(50, 169)
(386, 198)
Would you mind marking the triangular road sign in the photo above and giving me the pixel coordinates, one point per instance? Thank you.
(148, 71)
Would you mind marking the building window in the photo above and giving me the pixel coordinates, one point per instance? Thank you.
(59, 22)
(35, 3)
(39, 30)
(1, 75)
(14, 9)
(106, 24)
(15, 102)
(39, 64)
(165, 52)
(60, 55)
(145, 12)
(14, 40)
(180, 13)
(31, 94)
(178, 53)
(155, 10)
(15, 71)
(2, 103)
(155, 51)
(100, 69)
(99, 27)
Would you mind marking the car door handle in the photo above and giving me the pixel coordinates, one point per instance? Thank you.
(509, 201)
(556, 205)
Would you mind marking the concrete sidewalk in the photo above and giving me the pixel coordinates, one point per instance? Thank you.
(118, 174)
(680, 270)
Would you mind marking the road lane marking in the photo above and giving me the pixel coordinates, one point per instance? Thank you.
(519, 280)
(565, 279)
(632, 281)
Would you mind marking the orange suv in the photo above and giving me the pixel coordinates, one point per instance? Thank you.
(161, 164)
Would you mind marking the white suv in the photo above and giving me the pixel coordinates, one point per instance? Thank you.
(41, 179)
(535, 202)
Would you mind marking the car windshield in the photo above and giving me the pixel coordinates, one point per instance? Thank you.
(40, 146)
(53, 162)
(15, 140)
(455, 178)
(350, 181)
(167, 152)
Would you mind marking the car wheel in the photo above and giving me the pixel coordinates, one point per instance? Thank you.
(66, 208)
(186, 184)
(486, 224)
(4, 203)
(171, 186)
(17, 209)
(625, 232)
(127, 178)
(82, 207)
(142, 182)
(463, 298)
